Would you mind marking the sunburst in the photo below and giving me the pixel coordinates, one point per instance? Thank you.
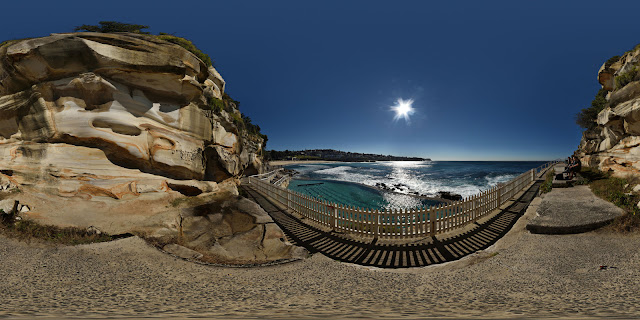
(403, 109)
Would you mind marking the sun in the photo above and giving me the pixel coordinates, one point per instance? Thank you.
(403, 109)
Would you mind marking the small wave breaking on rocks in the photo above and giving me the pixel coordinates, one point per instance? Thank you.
(402, 184)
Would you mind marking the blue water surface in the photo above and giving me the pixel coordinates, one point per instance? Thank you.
(353, 183)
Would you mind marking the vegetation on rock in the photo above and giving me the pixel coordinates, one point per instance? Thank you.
(627, 77)
(25, 229)
(586, 118)
(548, 182)
(619, 192)
(187, 45)
(241, 121)
(611, 61)
(216, 104)
(113, 26)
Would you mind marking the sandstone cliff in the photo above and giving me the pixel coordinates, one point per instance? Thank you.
(107, 129)
(613, 142)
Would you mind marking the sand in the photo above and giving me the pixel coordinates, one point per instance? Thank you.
(523, 275)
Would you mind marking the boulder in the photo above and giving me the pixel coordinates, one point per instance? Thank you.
(449, 195)
(115, 132)
(138, 99)
(235, 230)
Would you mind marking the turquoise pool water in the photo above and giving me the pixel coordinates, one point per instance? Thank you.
(356, 195)
(353, 183)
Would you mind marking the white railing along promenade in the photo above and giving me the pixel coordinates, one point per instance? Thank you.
(398, 223)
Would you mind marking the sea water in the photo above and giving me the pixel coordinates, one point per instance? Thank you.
(358, 184)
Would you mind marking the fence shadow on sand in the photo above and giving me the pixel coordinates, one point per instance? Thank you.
(419, 253)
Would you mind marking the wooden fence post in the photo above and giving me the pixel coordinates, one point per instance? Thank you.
(393, 223)
(376, 223)
(432, 221)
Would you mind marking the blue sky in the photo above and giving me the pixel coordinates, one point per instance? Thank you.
(490, 80)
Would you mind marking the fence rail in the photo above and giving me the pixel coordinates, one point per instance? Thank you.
(398, 223)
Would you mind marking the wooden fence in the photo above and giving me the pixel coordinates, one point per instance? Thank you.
(397, 223)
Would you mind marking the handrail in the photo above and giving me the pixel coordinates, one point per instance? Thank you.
(267, 173)
(279, 182)
(399, 223)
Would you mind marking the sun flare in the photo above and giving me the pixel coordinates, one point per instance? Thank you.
(403, 109)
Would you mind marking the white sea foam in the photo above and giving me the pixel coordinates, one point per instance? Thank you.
(307, 168)
(413, 177)
(493, 181)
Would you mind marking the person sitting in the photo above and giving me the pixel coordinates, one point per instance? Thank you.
(574, 167)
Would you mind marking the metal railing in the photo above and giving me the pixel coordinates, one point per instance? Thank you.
(399, 223)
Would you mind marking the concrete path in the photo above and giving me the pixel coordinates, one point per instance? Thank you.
(417, 254)
(523, 275)
(572, 210)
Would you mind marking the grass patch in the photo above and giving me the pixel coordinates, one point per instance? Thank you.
(626, 223)
(617, 191)
(187, 45)
(28, 230)
(548, 182)
(8, 42)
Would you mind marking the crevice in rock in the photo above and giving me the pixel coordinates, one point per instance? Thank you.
(186, 190)
(264, 233)
(121, 157)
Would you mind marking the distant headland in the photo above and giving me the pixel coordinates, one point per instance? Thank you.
(334, 155)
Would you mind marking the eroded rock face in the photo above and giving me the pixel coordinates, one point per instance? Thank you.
(236, 230)
(114, 130)
(142, 101)
(615, 143)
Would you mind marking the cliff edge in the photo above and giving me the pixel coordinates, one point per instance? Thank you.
(612, 141)
(127, 132)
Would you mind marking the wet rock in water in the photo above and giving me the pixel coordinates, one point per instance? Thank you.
(449, 195)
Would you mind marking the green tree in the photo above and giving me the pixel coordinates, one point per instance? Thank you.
(586, 118)
(113, 26)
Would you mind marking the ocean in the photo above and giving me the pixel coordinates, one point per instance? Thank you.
(394, 184)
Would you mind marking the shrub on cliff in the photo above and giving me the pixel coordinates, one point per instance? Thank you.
(113, 26)
(625, 78)
(611, 61)
(241, 121)
(187, 45)
(586, 118)
(216, 104)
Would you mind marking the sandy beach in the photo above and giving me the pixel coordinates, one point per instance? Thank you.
(523, 275)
